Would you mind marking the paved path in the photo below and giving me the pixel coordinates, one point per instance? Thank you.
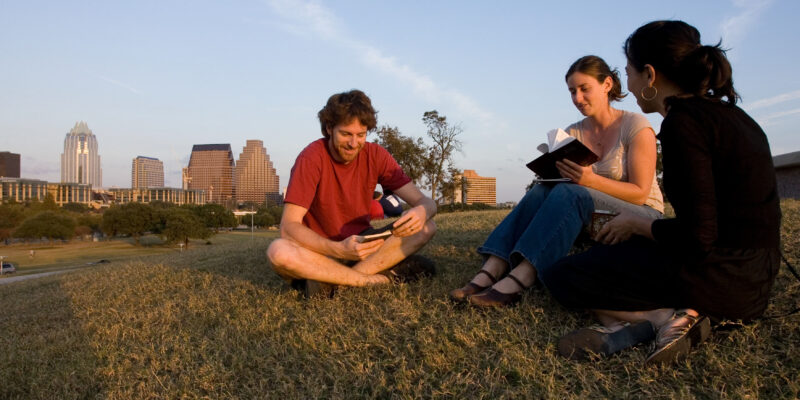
(4, 281)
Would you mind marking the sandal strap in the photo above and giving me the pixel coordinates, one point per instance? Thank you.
(514, 278)
(487, 273)
(672, 332)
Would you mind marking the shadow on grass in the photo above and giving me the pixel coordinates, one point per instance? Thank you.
(44, 351)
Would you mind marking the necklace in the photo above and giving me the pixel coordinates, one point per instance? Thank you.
(597, 134)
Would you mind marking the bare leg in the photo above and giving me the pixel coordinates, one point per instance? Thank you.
(524, 272)
(493, 265)
(292, 261)
(396, 249)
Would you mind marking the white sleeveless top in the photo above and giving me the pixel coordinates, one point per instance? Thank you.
(614, 164)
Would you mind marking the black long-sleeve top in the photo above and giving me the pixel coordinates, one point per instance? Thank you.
(719, 177)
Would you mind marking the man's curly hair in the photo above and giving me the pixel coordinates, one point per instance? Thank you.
(343, 107)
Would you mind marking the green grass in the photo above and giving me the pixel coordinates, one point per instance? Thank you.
(76, 253)
(216, 322)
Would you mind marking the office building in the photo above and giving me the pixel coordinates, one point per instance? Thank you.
(256, 178)
(80, 162)
(478, 189)
(787, 174)
(211, 169)
(9, 165)
(147, 172)
(151, 194)
(26, 190)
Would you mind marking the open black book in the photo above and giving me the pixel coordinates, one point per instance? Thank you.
(570, 148)
(381, 233)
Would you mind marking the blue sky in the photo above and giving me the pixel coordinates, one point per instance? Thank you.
(153, 78)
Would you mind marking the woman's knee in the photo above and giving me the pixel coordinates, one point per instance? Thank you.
(570, 193)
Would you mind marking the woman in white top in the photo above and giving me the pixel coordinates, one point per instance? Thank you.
(543, 226)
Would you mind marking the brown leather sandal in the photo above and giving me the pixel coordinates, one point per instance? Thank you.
(494, 298)
(460, 295)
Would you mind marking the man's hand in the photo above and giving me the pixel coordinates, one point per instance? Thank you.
(353, 249)
(577, 174)
(622, 227)
(410, 222)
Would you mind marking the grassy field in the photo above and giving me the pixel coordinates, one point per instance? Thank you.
(60, 255)
(215, 322)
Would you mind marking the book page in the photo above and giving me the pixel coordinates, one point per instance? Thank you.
(558, 138)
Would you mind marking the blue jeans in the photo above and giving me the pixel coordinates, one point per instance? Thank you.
(545, 223)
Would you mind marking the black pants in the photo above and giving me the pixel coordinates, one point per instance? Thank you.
(639, 275)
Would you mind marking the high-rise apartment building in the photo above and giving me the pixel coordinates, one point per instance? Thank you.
(256, 180)
(9, 165)
(147, 172)
(479, 189)
(80, 162)
(211, 168)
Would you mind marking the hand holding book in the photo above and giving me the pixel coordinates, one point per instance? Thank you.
(381, 233)
(561, 146)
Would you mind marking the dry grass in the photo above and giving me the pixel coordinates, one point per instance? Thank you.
(77, 253)
(215, 322)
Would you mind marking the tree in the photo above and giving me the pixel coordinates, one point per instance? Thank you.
(75, 207)
(92, 220)
(181, 224)
(440, 153)
(410, 154)
(47, 204)
(49, 224)
(132, 219)
(216, 216)
(11, 215)
(263, 219)
(452, 184)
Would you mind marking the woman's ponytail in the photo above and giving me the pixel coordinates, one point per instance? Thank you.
(673, 48)
(708, 74)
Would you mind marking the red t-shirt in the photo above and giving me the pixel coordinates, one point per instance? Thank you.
(337, 195)
(375, 210)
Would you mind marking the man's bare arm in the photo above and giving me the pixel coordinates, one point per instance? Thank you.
(422, 209)
(292, 228)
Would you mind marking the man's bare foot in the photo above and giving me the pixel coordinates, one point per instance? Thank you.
(376, 279)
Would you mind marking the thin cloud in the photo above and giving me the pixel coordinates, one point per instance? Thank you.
(121, 84)
(302, 17)
(736, 27)
(771, 101)
(771, 119)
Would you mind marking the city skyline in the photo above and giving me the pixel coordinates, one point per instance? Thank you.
(153, 78)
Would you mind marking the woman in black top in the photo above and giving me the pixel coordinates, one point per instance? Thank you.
(719, 256)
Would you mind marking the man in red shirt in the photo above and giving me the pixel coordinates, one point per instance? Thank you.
(327, 206)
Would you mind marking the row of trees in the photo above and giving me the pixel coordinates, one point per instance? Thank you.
(429, 166)
(173, 223)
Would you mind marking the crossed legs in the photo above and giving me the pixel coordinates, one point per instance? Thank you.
(292, 261)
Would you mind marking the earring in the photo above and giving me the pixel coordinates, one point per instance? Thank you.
(646, 98)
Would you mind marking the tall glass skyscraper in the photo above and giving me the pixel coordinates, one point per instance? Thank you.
(80, 162)
(256, 180)
(211, 168)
